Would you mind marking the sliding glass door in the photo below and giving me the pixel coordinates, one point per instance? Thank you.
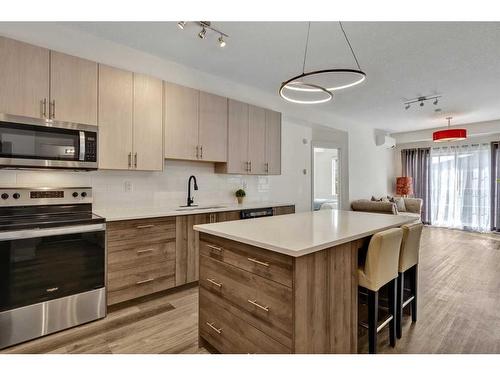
(461, 187)
(326, 177)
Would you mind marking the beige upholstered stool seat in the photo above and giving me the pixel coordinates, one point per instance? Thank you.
(381, 268)
(382, 259)
(410, 245)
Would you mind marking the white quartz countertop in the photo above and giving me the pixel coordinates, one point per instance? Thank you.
(117, 214)
(304, 233)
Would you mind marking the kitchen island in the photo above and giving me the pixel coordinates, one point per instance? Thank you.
(285, 284)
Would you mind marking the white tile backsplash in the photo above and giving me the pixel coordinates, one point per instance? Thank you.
(130, 189)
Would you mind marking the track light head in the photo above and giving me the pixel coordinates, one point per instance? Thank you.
(222, 42)
(436, 101)
(407, 106)
(202, 33)
(422, 103)
(181, 24)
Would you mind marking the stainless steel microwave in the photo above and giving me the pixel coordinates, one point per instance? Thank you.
(27, 142)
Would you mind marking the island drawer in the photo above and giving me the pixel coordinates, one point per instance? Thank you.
(133, 233)
(146, 279)
(264, 299)
(134, 257)
(268, 264)
(228, 333)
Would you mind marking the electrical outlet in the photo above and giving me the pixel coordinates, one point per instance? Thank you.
(127, 186)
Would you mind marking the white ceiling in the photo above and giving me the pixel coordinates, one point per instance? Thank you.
(403, 60)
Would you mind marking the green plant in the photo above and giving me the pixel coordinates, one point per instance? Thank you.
(240, 193)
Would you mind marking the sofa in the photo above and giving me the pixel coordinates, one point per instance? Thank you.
(413, 207)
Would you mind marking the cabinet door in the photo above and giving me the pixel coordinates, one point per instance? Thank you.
(115, 118)
(73, 89)
(227, 216)
(257, 139)
(237, 155)
(187, 248)
(213, 127)
(148, 125)
(24, 77)
(181, 122)
(273, 142)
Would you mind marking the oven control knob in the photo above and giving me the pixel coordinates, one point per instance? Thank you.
(16, 195)
(84, 194)
(75, 194)
(5, 196)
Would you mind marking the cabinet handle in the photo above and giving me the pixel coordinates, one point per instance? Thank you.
(145, 281)
(50, 290)
(267, 167)
(135, 160)
(219, 249)
(44, 107)
(144, 251)
(258, 262)
(52, 114)
(250, 166)
(129, 159)
(197, 152)
(145, 226)
(254, 302)
(211, 325)
(201, 152)
(219, 285)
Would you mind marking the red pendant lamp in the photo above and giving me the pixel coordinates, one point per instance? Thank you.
(449, 135)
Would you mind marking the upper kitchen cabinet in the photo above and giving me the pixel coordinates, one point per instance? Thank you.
(195, 124)
(148, 123)
(273, 142)
(24, 74)
(181, 122)
(116, 90)
(73, 89)
(130, 120)
(212, 129)
(254, 140)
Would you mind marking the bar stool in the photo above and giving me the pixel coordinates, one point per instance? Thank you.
(408, 264)
(381, 268)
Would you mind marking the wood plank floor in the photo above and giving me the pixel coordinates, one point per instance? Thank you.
(459, 310)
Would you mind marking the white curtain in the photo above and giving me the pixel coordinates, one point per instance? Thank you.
(460, 187)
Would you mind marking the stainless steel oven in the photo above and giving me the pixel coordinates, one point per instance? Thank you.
(52, 262)
(27, 142)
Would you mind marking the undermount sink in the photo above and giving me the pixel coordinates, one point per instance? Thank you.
(199, 208)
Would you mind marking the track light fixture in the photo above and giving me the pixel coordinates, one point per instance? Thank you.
(421, 101)
(206, 26)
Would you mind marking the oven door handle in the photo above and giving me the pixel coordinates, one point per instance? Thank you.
(36, 233)
(82, 146)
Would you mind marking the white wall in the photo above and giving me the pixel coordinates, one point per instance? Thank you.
(371, 167)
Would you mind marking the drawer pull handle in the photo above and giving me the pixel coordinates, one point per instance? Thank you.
(254, 302)
(144, 251)
(211, 325)
(145, 226)
(258, 262)
(215, 248)
(50, 290)
(145, 281)
(215, 283)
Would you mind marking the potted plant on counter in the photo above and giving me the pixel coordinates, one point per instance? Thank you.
(240, 194)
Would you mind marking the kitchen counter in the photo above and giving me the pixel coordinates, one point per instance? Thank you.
(304, 233)
(118, 214)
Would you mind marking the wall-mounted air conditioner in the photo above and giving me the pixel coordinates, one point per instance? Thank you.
(385, 141)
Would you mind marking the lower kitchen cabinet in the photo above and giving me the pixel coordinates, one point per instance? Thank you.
(283, 210)
(141, 258)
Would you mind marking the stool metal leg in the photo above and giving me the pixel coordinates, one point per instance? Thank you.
(399, 304)
(392, 311)
(414, 291)
(372, 321)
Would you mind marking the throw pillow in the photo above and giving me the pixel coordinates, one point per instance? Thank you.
(400, 203)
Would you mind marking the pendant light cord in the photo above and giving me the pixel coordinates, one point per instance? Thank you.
(305, 50)
(349, 44)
